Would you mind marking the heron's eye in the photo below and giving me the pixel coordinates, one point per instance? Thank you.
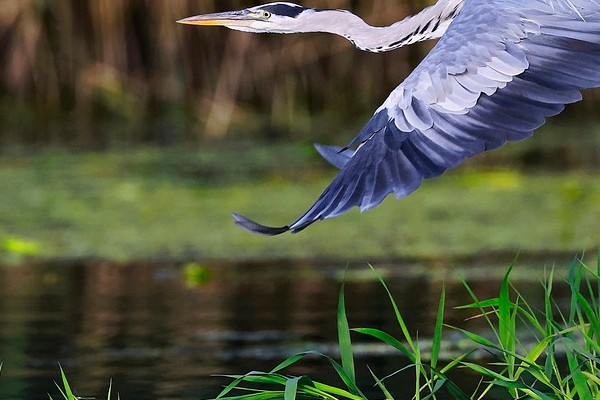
(265, 14)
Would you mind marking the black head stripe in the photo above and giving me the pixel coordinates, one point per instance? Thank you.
(285, 10)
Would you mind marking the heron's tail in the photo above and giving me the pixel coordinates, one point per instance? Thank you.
(251, 226)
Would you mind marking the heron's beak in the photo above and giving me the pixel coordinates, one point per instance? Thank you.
(229, 18)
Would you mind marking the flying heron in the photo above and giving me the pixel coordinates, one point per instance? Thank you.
(500, 68)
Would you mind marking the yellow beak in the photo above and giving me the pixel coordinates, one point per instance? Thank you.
(230, 18)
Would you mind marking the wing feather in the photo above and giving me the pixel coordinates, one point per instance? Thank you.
(335, 155)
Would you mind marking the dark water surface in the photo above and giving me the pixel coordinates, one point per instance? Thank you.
(159, 336)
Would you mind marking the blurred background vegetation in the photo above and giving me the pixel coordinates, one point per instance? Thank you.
(124, 78)
(92, 74)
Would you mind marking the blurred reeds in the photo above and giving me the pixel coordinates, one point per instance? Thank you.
(99, 72)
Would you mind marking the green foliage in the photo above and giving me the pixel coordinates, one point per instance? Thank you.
(521, 370)
(536, 371)
(290, 387)
(67, 393)
(344, 339)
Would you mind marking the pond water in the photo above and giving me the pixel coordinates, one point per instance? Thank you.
(160, 334)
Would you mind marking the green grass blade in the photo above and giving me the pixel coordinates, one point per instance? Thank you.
(598, 281)
(537, 395)
(335, 391)
(437, 332)
(419, 369)
(386, 394)
(592, 343)
(399, 318)
(533, 394)
(61, 392)
(261, 395)
(289, 361)
(526, 312)
(237, 380)
(68, 393)
(548, 312)
(434, 389)
(344, 338)
(578, 378)
(453, 363)
(348, 381)
(269, 379)
(589, 312)
(543, 379)
(477, 338)
(480, 340)
(534, 354)
(451, 387)
(295, 387)
(506, 321)
(456, 392)
(291, 388)
(108, 396)
(574, 280)
(507, 383)
(488, 303)
(307, 386)
(481, 308)
(592, 377)
(487, 372)
(493, 303)
(388, 339)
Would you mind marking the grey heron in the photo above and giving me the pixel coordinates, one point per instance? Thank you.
(500, 68)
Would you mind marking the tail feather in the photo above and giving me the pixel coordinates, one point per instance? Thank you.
(251, 226)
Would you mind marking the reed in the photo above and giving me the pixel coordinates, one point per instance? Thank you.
(97, 73)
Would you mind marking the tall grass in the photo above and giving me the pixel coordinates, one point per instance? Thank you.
(563, 361)
(98, 72)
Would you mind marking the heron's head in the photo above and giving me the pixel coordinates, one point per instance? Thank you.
(279, 17)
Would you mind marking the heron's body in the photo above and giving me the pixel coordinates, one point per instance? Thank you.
(499, 70)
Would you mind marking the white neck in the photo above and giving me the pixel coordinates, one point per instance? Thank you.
(430, 23)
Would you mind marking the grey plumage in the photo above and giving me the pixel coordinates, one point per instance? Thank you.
(500, 69)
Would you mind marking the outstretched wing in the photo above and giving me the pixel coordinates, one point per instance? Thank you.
(500, 70)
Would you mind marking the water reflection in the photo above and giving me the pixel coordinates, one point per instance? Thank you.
(158, 337)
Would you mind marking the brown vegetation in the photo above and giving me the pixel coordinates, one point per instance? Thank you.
(98, 72)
